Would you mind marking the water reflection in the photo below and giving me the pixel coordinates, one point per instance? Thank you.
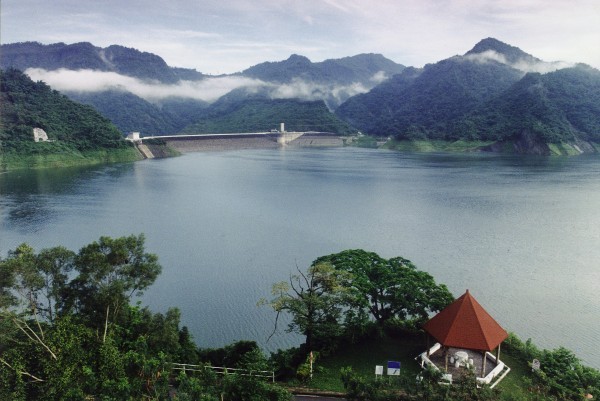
(29, 198)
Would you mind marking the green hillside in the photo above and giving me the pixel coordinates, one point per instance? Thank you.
(132, 113)
(423, 106)
(561, 106)
(72, 128)
(486, 96)
(259, 115)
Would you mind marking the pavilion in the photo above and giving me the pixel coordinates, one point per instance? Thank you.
(466, 335)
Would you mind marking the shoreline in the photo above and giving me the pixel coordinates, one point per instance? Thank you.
(15, 161)
(177, 146)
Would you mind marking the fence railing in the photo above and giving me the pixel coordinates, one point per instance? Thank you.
(187, 367)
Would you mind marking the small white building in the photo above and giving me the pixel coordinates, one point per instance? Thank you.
(39, 135)
(133, 136)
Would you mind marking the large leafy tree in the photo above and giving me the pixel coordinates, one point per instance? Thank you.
(57, 339)
(111, 271)
(314, 300)
(388, 288)
(69, 332)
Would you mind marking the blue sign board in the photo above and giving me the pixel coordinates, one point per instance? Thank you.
(393, 368)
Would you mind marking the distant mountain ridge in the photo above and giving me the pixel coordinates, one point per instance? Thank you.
(360, 68)
(258, 114)
(486, 94)
(84, 55)
(511, 54)
(332, 81)
(494, 92)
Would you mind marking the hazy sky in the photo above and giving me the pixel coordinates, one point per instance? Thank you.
(226, 36)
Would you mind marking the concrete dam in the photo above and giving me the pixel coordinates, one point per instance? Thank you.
(218, 142)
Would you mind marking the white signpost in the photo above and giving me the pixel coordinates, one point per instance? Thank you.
(378, 370)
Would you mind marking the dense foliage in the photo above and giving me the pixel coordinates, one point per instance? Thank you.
(314, 300)
(422, 104)
(561, 375)
(27, 105)
(427, 388)
(68, 331)
(335, 297)
(389, 288)
(259, 115)
(559, 106)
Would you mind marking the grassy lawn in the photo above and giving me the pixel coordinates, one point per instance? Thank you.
(364, 356)
(514, 382)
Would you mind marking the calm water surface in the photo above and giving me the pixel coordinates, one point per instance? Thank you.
(522, 234)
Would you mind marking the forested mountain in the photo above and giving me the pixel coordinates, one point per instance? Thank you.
(126, 110)
(366, 110)
(362, 68)
(77, 56)
(259, 114)
(561, 106)
(502, 52)
(487, 94)
(132, 113)
(27, 105)
(422, 104)
(332, 81)
(494, 92)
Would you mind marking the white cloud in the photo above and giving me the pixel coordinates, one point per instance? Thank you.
(304, 90)
(524, 65)
(486, 57)
(379, 77)
(208, 89)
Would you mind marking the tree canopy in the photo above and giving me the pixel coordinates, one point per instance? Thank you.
(389, 288)
(314, 300)
(339, 291)
(68, 331)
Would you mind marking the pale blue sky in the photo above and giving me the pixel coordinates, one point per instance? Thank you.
(225, 36)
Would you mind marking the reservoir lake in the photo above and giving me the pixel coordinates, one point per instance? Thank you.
(522, 233)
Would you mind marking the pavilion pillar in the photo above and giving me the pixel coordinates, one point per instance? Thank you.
(498, 355)
(483, 364)
(446, 357)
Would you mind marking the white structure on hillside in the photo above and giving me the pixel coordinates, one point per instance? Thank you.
(133, 136)
(39, 135)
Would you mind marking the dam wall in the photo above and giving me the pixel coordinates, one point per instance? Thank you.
(209, 143)
(185, 144)
(317, 140)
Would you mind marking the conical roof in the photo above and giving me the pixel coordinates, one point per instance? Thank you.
(465, 324)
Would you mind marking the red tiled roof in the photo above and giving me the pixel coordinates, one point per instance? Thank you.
(465, 324)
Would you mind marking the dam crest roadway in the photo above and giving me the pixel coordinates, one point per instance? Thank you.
(246, 140)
